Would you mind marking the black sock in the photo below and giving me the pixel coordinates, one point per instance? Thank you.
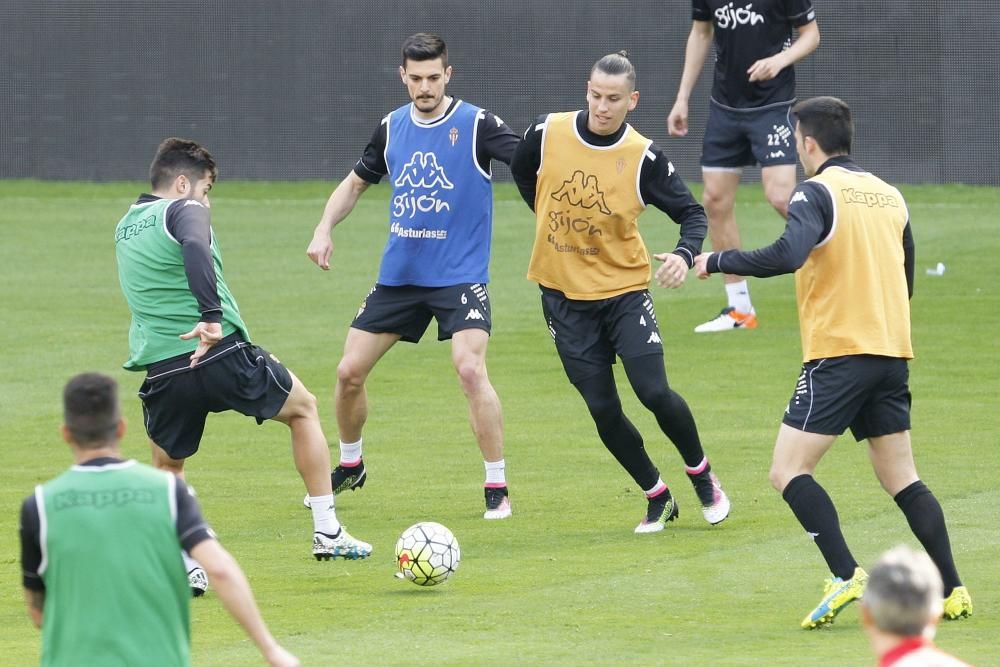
(926, 518)
(815, 511)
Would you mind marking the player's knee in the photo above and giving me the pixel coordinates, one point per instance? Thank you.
(778, 478)
(167, 464)
(717, 202)
(301, 404)
(779, 200)
(472, 375)
(656, 398)
(349, 374)
(308, 402)
(604, 410)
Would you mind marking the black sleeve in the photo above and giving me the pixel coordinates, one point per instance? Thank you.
(31, 546)
(526, 161)
(800, 12)
(909, 257)
(700, 11)
(190, 223)
(660, 186)
(810, 220)
(372, 167)
(494, 141)
(191, 527)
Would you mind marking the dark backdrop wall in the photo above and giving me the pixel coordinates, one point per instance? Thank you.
(293, 90)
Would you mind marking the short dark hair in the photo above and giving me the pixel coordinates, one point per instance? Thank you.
(180, 156)
(425, 46)
(90, 409)
(828, 121)
(616, 64)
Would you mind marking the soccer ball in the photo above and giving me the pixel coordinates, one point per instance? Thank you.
(427, 554)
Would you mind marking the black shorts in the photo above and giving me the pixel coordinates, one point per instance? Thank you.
(867, 393)
(743, 138)
(176, 400)
(407, 310)
(588, 334)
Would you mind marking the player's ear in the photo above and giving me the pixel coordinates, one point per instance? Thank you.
(402, 73)
(447, 74)
(66, 435)
(633, 100)
(120, 428)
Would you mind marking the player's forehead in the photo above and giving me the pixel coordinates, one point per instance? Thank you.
(424, 68)
(206, 179)
(609, 84)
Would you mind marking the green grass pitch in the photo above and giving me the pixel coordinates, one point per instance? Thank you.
(565, 580)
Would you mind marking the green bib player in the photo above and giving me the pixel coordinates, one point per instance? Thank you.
(188, 337)
(100, 551)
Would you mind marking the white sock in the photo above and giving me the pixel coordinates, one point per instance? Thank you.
(350, 453)
(739, 296)
(189, 563)
(495, 475)
(658, 488)
(324, 516)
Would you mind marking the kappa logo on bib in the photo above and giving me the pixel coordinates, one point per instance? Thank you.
(582, 190)
(423, 171)
(425, 179)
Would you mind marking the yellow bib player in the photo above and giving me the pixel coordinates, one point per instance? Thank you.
(587, 201)
(849, 243)
(588, 175)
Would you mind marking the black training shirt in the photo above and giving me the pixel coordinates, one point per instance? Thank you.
(745, 32)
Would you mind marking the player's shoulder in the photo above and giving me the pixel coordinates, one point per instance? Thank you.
(656, 156)
(811, 186)
(812, 193)
(184, 212)
(399, 113)
(537, 125)
(29, 505)
(184, 205)
(489, 120)
(543, 120)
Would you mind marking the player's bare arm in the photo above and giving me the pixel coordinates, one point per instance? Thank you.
(234, 591)
(699, 44)
(338, 206)
(36, 604)
(766, 69)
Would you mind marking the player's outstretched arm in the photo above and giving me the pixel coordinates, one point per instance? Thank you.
(233, 589)
(701, 265)
(672, 272)
(338, 206)
(699, 44)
